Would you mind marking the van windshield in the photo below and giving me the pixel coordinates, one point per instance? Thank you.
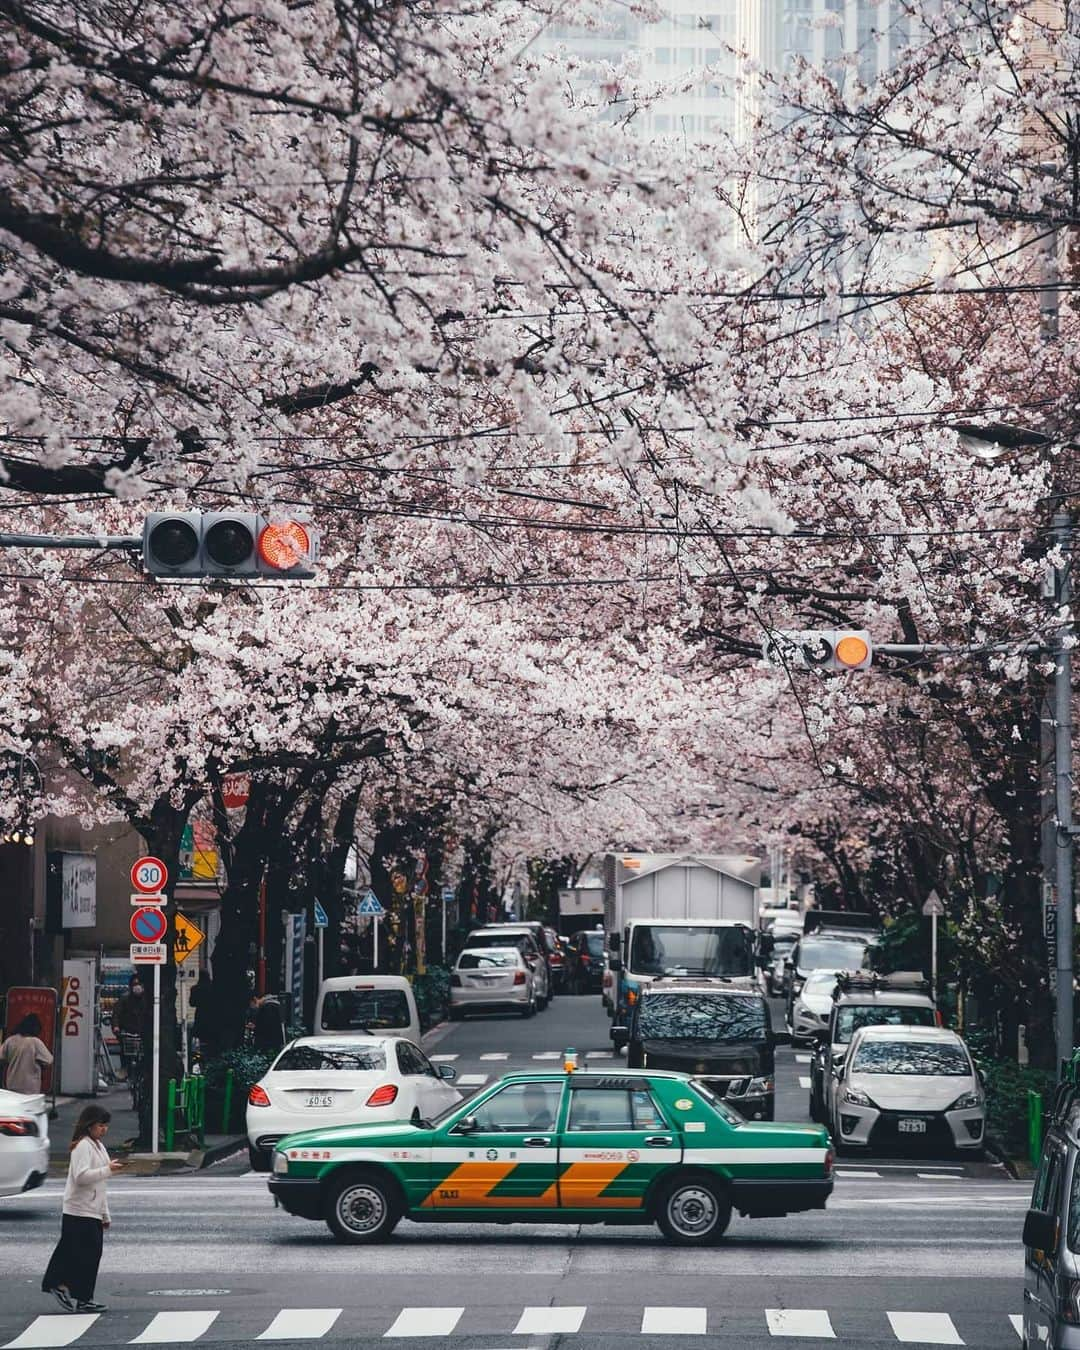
(831, 954)
(656, 949)
(702, 1017)
(365, 1010)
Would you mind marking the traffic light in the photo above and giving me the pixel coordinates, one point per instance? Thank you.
(820, 648)
(227, 544)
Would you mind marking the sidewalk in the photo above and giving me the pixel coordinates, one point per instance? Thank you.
(124, 1130)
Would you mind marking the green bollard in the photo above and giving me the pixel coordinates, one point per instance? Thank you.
(226, 1111)
(170, 1115)
(1035, 1124)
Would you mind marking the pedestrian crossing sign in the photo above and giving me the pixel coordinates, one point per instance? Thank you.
(189, 938)
(371, 905)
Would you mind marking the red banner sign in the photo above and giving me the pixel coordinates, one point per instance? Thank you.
(25, 999)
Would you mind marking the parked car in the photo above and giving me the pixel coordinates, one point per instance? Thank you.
(719, 1032)
(1052, 1232)
(585, 959)
(823, 950)
(811, 1006)
(24, 1142)
(908, 1084)
(864, 999)
(366, 1003)
(486, 979)
(782, 944)
(573, 1148)
(343, 1080)
(523, 937)
(556, 959)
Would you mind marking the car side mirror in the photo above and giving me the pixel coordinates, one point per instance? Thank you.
(820, 1035)
(447, 1071)
(781, 1038)
(614, 964)
(467, 1125)
(1041, 1230)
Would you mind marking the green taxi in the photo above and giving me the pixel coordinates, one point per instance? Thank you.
(578, 1147)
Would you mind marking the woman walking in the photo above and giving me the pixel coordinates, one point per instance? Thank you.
(73, 1267)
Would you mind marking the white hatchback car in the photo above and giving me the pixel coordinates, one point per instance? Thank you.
(343, 1080)
(488, 979)
(811, 1006)
(24, 1142)
(908, 1084)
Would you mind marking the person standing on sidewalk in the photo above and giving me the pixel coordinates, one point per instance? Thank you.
(23, 1056)
(73, 1267)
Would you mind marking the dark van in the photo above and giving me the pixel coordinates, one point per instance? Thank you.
(719, 1032)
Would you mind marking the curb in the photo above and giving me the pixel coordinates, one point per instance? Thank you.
(200, 1158)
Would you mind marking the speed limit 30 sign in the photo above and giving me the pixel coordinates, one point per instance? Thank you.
(149, 875)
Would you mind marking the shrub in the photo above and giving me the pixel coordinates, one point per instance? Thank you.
(432, 993)
(1007, 1086)
(248, 1067)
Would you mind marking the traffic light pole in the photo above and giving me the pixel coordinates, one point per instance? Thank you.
(69, 541)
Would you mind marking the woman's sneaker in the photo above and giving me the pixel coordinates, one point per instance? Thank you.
(88, 1305)
(63, 1298)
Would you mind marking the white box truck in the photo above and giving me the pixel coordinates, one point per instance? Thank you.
(671, 914)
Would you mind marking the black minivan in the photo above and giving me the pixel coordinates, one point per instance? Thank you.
(715, 1030)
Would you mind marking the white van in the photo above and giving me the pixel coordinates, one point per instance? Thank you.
(367, 1003)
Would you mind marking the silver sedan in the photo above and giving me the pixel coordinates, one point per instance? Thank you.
(490, 978)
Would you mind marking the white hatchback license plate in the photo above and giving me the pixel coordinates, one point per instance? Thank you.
(320, 1099)
(911, 1125)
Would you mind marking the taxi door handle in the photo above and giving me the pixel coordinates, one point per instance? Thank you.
(658, 1140)
(537, 1140)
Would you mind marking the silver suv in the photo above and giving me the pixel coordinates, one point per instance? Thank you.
(864, 999)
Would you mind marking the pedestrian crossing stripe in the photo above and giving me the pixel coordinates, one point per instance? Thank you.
(183, 1327)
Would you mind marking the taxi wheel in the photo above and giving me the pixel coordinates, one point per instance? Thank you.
(362, 1207)
(691, 1210)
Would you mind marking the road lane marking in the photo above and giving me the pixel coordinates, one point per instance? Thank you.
(443, 1059)
(802, 1059)
(550, 1322)
(925, 1328)
(300, 1324)
(800, 1322)
(936, 1176)
(674, 1321)
(856, 1172)
(471, 1079)
(425, 1322)
(499, 1055)
(548, 1054)
(804, 1082)
(1017, 1324)
(52, 1330)
(166, 1327)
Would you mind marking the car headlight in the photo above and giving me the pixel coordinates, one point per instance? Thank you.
(968, 1102)
(761, 1085)
(857, 1097)
(281, 1164)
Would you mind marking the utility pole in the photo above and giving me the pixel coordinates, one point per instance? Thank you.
(1063, 784)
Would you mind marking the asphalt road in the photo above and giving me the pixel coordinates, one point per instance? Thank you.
(908, 1253)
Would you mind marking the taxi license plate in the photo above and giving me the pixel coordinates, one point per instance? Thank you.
(911, 1125)
(320, 1099)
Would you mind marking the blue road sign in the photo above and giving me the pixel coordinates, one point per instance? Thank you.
(370, 905)
(321, 921)
(448, 895)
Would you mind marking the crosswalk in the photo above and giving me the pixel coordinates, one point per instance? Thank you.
(186, 1326)
(497, 1059)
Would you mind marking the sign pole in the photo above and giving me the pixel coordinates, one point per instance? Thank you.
(933, 953)
(375, 954)
(321, 931)
(444, 930)
(155, 1085)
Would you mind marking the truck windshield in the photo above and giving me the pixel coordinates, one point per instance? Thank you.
(656, 949)
(702, 1017)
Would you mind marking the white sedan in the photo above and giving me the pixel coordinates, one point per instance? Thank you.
(343, 1080)
(24, 1142)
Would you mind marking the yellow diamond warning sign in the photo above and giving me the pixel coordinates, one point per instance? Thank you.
(189, 938)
